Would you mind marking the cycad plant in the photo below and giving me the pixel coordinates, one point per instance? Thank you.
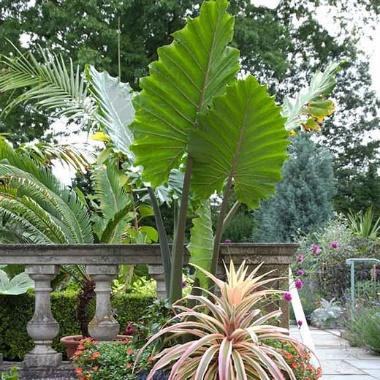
(193, 117)
(227, 336)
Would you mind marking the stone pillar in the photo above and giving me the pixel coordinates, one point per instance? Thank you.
(42, 328)
(103, 327)
(158, 274)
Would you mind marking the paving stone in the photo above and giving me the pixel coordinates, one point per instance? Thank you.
(374, 372)
(347, 377)
(366, 363)
(339, 367)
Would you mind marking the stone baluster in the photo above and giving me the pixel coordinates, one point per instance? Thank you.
(42, 328)
(158, 274)
(103, 327)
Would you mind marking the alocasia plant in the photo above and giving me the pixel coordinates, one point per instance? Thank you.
(192, 116)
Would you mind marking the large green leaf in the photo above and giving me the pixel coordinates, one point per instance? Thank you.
(241, 138)
(114, 202)
(311, 105)
(202, 242)
(116, 110)
(189, 73)
(19, 284)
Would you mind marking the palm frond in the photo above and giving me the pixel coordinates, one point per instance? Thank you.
(49, 85)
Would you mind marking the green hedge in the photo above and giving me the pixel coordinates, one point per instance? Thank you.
(16, 311)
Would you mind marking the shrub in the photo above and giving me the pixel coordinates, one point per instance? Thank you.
(107, 361)
(14, 340)
(363, 328)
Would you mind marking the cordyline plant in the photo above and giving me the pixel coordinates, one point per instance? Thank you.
(194, 124)
(226, 335)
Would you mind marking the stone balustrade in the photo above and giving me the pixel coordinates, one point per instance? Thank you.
(42, 263)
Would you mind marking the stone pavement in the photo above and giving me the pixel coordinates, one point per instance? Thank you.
(340, 361)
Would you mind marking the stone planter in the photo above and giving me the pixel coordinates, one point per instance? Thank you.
(71, 343)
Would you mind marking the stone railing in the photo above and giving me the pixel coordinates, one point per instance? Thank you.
(42, 263)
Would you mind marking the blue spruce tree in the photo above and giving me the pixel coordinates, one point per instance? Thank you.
(303, 199)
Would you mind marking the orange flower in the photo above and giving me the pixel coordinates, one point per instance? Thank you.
(129, 365)
(294, 365)
(95, 355)
(79, 371)
(130, 351)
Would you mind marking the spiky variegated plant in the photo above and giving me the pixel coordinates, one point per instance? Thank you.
(226, 335)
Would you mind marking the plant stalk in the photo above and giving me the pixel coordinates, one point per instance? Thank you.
(220, 226)
(179, 238)
(230, 215)
(164, 242)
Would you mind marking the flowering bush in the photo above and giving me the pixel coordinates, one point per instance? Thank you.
(106, 361)
(299, 359)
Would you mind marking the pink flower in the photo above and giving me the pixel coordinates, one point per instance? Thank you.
(299, 323)
(287, 296)
(334, 245)
(315, 249)
(298, 283)
(227, 241)
(300, 258)
(300, 272)
(130, 329)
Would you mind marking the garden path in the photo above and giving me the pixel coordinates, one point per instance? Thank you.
(339, 360)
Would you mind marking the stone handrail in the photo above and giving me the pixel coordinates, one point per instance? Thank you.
(101, 261)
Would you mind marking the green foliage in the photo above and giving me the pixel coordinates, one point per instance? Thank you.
(364, 224)
(202, 242)
(241, 139)
(240, 227)
(35, 207)
(116, 110)
(14, 340)
(303, 199)
(182, 83)
(363, 328)
(12, 374)
(108, 361)
(311, 105)
(50, 85)
(19, 284)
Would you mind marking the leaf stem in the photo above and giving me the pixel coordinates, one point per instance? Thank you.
(164, 242)
(220, 226)
(179, 238)
(230, 214)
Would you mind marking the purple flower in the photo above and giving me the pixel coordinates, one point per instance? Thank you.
(227, 241)
(300, 272)
(315, 249)
(300, 258)
(287, 296)
(334, 245)
(298, 283)
(299, 323)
